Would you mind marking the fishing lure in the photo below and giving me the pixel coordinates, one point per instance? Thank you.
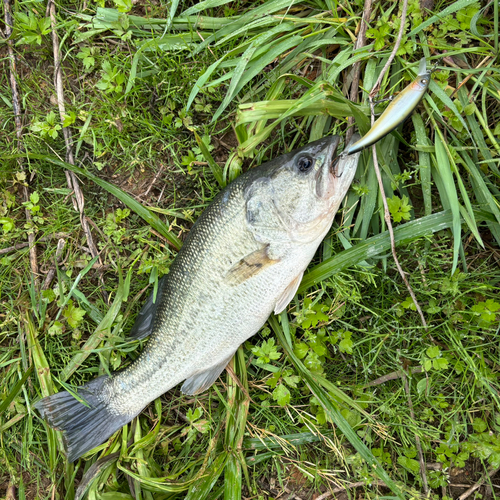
(397, 111)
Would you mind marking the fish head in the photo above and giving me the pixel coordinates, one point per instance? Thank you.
(307, 187)
(423, 79)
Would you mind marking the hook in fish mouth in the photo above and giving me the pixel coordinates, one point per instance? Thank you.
(334, 165)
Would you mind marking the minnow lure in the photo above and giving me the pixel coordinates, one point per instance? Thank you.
(397, 111)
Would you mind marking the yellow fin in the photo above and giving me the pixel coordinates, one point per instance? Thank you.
(250, 265)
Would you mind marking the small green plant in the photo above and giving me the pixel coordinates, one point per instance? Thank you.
(281, 381)
(453, 119)
(201, 105)
(408, 462)
(123, 5)
(266, 352)
(433, 307)
(483, 443)
(196, 155)
(56, 328)
(73, 314)
(34, 208)
(434, 359)
(87, 56)
(447, 453)
(112, 79)
(465, 15)
(438, 478)
(399, 208)
(184, 120)
(32, 204)
(7, 224)
(31, 28)
(485, 313)
(383, 455)
(401, 178)
(196, 425)
(47, 128)
(311, 314)
(451, 285)
(360, 190)
(112, 226)
(380, 33)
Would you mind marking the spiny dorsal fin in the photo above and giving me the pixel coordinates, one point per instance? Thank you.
(250, 265)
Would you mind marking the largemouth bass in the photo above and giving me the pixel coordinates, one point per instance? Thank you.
(398, 110)
(243, 259)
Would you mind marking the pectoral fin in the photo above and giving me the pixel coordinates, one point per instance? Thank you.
(249, 266)
(288, 294)
(202, 381)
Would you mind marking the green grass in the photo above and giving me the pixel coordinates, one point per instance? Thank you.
(165, 113)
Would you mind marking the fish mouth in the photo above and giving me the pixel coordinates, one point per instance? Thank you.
(325, 176)
(336, 175)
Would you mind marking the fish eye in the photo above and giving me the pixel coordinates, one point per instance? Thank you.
(424, 81)
(304, 163)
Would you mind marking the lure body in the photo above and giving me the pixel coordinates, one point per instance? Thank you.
(397, 111)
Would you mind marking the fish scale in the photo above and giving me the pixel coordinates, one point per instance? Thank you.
(243, 258)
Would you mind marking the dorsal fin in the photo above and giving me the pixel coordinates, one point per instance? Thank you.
(144, 321)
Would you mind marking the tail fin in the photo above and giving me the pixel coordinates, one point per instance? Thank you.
(83, 427)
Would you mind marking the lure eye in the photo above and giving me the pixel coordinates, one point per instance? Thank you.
(304, 163)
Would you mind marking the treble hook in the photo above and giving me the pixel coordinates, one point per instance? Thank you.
(434, 67)
(335, 162)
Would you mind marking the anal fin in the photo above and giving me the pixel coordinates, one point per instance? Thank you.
(249, 266)
(203, 380)
(288, 294)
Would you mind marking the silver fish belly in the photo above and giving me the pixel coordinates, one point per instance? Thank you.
(243, 259)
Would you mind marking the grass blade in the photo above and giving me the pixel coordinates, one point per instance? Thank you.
(424, 162)
(101, 332)
(11, 422)
(232, 478)
(15, 390)
(330, 408)
(158, 484)
(270, 442)
(42, 371)
(436, 90)
(380, 244)
(256, 13)
(214, 167)
(460, 4)
(201, 489)
(201, 81)
(274, 50)
(369, 201)
(152, 219)
(206, 4)
(443, 166)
